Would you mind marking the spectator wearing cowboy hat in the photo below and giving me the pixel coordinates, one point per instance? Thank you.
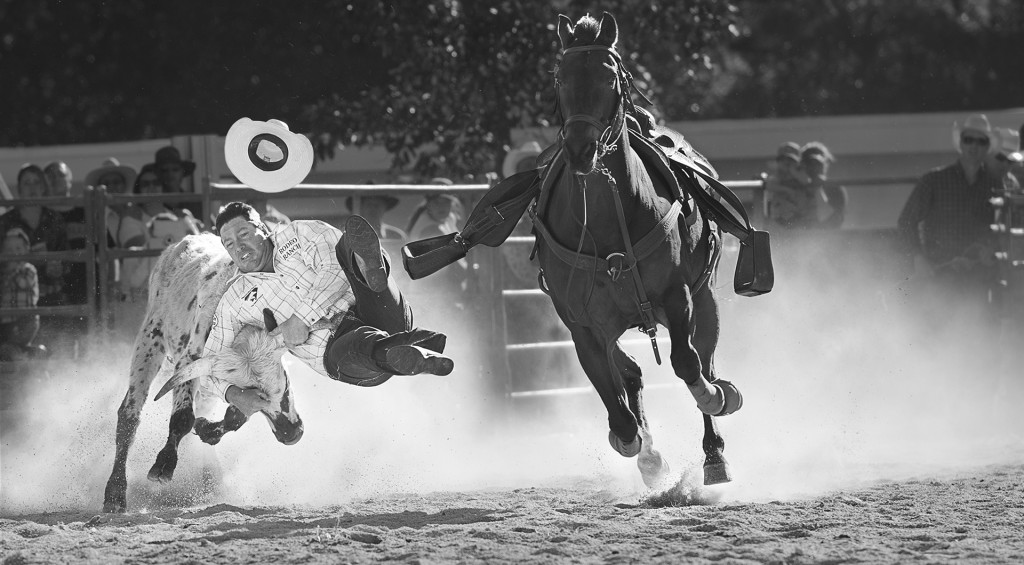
(790, 204)
(829, 199)
(438, 214)
(372, 208)
(944, 225)
(521, 159)
(173, 170)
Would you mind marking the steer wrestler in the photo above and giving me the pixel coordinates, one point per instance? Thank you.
(307, 271)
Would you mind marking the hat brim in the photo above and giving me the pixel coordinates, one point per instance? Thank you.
(242, 151)
(125, 171)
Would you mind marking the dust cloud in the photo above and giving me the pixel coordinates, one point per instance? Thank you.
(845, 382)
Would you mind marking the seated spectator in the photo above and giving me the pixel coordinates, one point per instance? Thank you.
(439, 214)
(372, 207)
(172, 170)
(19, 288)
(45, 229)
(790, 198)
(149, 225)
(829, 198)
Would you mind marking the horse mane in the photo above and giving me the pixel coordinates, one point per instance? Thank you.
(585, 31)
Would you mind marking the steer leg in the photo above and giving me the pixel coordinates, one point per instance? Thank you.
(146, 361)
(182, 420)
(212, 432)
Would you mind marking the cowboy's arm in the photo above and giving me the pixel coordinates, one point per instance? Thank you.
(222, 333)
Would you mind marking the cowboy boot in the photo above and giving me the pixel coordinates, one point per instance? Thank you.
(413, 352)
(367, 260)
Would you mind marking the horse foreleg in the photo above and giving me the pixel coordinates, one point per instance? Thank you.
(182, 420)
(622, 424)
(705, 340)
(653, 468)
(212, 432)
(718, 398)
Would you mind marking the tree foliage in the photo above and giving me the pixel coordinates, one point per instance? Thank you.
(442, 82)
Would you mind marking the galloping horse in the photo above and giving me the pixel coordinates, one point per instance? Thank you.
(616, 253)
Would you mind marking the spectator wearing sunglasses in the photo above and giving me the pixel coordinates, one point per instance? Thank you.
(945, 223)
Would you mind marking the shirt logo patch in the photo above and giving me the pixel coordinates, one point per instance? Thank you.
(253, 295)
(289, 248)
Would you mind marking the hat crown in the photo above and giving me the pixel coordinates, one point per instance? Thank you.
(168, 154)
(977, 122)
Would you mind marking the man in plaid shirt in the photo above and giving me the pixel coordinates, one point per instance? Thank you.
(308, 271)
(944, 224)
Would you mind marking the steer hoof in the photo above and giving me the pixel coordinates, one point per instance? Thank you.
(163, 470)
(207, 431)
(733, 398)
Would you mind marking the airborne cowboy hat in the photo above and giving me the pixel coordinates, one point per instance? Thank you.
(267, 156)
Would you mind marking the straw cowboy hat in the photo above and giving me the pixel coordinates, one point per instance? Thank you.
(170, 155)
(975, 123)
(788, 150)
(512, 159)
(1008, 145)
(267, 156)
(111, 165)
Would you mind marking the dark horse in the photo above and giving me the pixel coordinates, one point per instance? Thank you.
(616, 254)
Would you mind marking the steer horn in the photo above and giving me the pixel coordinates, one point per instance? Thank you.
(193, 370)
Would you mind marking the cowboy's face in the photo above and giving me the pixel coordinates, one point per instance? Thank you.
(171, 174)
(248, 245)
(974, 145)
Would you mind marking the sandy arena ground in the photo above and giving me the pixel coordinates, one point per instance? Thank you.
(862, 439)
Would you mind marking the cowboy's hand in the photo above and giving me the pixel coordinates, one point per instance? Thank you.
(293, 330)
(248, 400)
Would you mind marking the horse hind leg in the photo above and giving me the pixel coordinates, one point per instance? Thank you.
(653, 467)
(147, 357)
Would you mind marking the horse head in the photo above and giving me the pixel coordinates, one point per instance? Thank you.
(590, 89)
(253, 360)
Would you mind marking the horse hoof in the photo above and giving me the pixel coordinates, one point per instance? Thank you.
(717, 473)
(625, 449)
(733, 397)
(653, 470)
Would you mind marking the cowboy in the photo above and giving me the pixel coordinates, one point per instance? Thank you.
(945, 223)
(307, 272)
(173, 170)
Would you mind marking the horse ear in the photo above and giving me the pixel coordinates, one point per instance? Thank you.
(609, 33)
(564, 30)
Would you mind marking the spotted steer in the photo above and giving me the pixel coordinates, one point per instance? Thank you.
(185, 286)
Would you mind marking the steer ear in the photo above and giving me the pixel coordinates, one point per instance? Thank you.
(194, 370)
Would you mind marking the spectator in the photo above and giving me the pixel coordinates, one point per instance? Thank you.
(944, 224)
(372, 207)
(521, 159)
(791, 202)
(149, 225)
(443, 212)
(173, 170)
(45, 229)
(60, 178)
(1006, 158)
(829, 199)
(19, 288)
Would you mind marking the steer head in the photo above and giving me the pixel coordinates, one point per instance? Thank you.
(253, 360)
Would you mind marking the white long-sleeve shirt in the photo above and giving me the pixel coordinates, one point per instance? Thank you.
(307, 281)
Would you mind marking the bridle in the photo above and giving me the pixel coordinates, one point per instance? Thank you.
(610, 128)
